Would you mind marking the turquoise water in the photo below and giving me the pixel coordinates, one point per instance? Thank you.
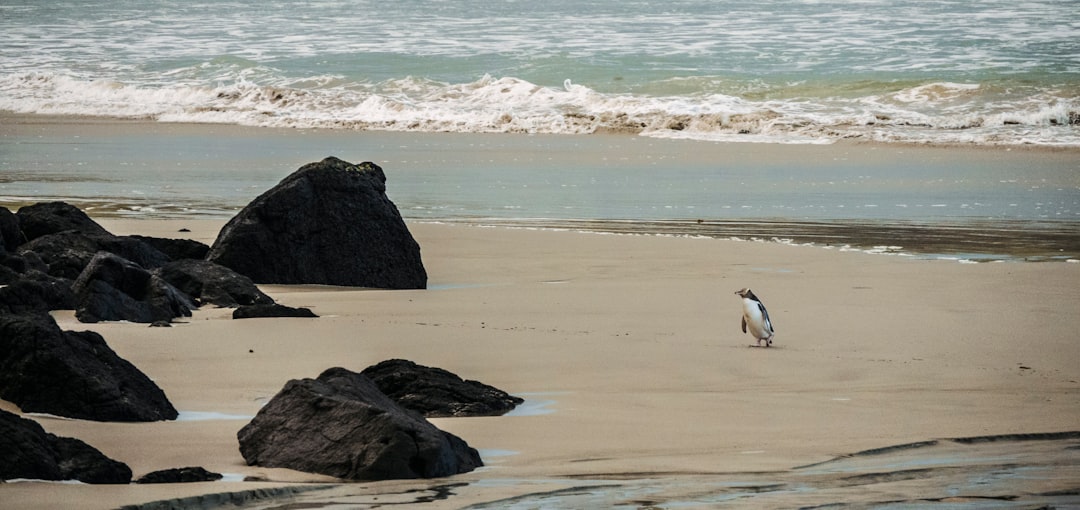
(791, 71)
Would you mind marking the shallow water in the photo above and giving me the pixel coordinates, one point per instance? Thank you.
(1021, 471)
(986, 204)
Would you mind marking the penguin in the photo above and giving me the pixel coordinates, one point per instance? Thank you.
(755, 317)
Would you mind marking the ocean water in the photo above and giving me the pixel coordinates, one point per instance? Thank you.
(987, 72)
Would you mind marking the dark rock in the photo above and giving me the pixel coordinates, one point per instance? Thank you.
(180, 475)
(7, 275)
(176, 249)
(10, 234)
(161, 324)
(435, 392)
(65, 254)
(114, 289)
(36, 292)
(341, 425)
(72, 374)
(211, 283)
(54, 217)
(19, 264)
(27, 451)
(68, 253)
(85, 463)
(133, 249)
(270, 310)
(328, 223)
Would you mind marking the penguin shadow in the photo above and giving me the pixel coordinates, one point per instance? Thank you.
(766, 347)
(773, 347)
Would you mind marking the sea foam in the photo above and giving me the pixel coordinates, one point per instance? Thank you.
(934, 112)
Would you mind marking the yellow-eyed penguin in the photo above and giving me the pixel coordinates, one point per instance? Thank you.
(755, 317)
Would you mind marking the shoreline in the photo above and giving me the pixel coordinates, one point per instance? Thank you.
(18, 118)
(968, 235)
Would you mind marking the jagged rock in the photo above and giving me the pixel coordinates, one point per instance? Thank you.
(10, 234)
(36, 292)
(180, 475)
(18, 264)
(54, 217)
(114, 289)
(327, 223)
(27, 451)
(7, 275)
(64, 254)
(68, 253)
(435, 392)
(66, 239)
(176, 249)
(211, 283)
(270, 310)
(341, 425)
(72, 374)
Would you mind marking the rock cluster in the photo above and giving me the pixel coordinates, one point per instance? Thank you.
(328, 223)
(340, 424)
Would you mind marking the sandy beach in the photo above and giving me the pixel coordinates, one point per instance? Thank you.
(628, 351)
(590, 184)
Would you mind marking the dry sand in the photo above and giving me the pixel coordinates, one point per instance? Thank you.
(631, 346)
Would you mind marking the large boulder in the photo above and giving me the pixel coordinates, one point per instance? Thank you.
(74, 374)
(27, 451)
(211, 283)
(115, 289)
(435, 392)
(54, 217)
(341, 425)
(327, 223)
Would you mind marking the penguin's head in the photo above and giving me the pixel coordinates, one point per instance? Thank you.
(745, 292)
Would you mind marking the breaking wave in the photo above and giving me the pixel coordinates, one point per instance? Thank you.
(934, 112)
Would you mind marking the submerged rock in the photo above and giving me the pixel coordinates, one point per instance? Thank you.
(27, 451)
(180, 475)
(435, 392)
(327, 223)
(72, 374)
(341, 425)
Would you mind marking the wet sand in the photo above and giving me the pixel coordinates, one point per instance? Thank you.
(642, 389)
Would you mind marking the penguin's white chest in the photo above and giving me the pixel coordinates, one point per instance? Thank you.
(756, 324)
